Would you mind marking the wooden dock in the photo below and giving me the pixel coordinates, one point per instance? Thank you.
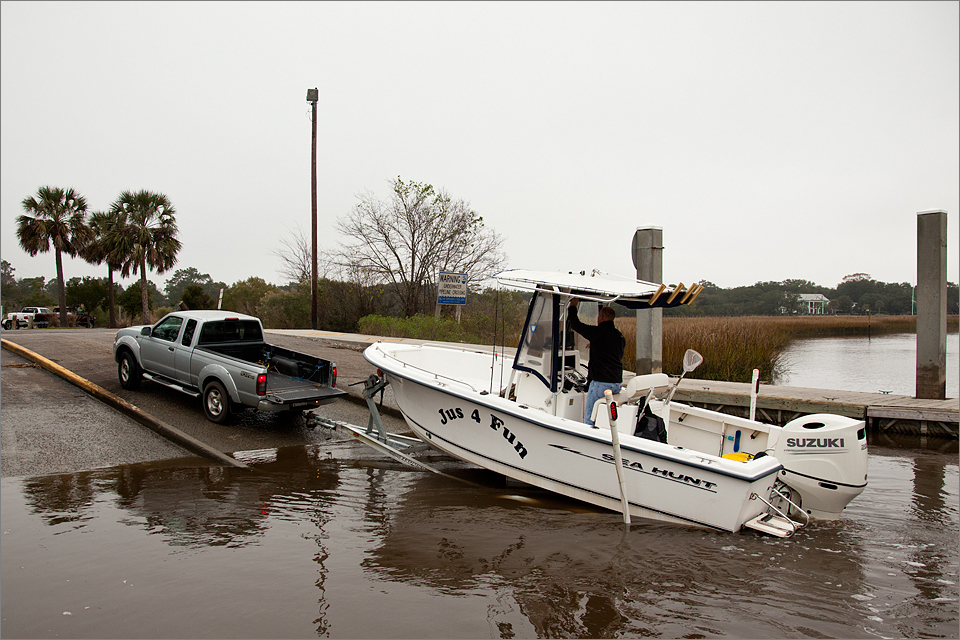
(778, 405)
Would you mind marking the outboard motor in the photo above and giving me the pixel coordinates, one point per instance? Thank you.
(824, 460)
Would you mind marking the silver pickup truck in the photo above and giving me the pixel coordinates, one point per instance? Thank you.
(221, 356)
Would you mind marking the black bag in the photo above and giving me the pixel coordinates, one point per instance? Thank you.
(651, 426)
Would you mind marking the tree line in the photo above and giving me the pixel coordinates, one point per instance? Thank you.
(385, 266)
(387, 263)
(344, 304)
(341, 304)
(857, 294)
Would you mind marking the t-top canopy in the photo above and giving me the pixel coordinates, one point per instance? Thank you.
(602, 287)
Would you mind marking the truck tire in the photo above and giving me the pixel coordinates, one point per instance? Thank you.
(7, 324)
(216, 402)
(128, 370)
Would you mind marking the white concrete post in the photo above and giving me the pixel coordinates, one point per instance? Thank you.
(932, 305)
(648, 259)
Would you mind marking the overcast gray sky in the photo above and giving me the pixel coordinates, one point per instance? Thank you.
(769, 140)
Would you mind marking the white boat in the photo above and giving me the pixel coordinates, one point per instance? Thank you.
(526, 422)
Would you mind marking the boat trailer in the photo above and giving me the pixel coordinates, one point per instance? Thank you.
(375, 435)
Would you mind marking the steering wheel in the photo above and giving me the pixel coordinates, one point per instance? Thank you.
(573, 379)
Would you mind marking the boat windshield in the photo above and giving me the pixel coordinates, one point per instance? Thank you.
(538, 352)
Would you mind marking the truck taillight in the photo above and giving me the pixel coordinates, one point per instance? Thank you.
(333, 377)
(262, 384)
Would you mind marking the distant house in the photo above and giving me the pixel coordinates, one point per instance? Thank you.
(814, 304)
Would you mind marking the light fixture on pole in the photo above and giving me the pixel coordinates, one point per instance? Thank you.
(312, 97)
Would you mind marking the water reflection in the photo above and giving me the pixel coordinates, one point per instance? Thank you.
(930, 496)
(564, 572)
(321, 542)
(188, 504)
(886, 363)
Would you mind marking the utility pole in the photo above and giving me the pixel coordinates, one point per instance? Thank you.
(312, 96)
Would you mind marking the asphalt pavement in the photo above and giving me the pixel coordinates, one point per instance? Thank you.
(48, 425)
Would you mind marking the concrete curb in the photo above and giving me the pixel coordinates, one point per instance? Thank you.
(162, 428)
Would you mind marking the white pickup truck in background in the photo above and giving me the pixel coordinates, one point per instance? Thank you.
(28, 316)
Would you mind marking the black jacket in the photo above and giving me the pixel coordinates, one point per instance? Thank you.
(606, 348)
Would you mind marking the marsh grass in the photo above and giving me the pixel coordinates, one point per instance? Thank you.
(733, 347)
(826, 326)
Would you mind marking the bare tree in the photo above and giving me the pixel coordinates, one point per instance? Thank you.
(296, 257)
(418, 232)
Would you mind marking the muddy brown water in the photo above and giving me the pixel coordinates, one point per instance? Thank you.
(330, 540)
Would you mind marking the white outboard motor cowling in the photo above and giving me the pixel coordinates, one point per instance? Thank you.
(824, 459)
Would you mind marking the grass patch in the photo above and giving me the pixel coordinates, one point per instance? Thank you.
(732, 347)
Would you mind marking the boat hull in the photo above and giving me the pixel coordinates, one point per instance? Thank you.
(662, 482)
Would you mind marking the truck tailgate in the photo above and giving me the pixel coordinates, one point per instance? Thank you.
(282, 389)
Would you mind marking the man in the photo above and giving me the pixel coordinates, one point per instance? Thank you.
(605, 370)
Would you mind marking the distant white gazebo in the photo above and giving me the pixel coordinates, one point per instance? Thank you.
(814, 304)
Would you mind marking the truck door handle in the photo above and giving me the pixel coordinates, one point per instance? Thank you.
(170, 349)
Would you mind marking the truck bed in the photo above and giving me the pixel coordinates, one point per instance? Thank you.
(292, 377)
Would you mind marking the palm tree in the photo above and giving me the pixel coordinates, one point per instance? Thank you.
(108, 230)
(54, 217)
(149, 237)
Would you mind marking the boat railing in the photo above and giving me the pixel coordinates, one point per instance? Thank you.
(480, 351)
(436, 376)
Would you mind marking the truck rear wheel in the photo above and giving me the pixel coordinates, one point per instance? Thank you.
(129, 372)
(216, 403)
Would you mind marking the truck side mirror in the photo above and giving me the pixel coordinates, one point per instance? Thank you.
(145, 331)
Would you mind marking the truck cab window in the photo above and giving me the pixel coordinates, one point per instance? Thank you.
(167, 329)
(188, 333)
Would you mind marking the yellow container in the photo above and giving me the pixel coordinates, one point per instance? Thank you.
(740, 456)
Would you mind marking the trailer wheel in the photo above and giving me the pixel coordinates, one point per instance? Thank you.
(129, 371)
(216, 402)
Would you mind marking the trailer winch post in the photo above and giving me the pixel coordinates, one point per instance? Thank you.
(371, 386)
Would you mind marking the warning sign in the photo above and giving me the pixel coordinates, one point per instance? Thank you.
(452, 288)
